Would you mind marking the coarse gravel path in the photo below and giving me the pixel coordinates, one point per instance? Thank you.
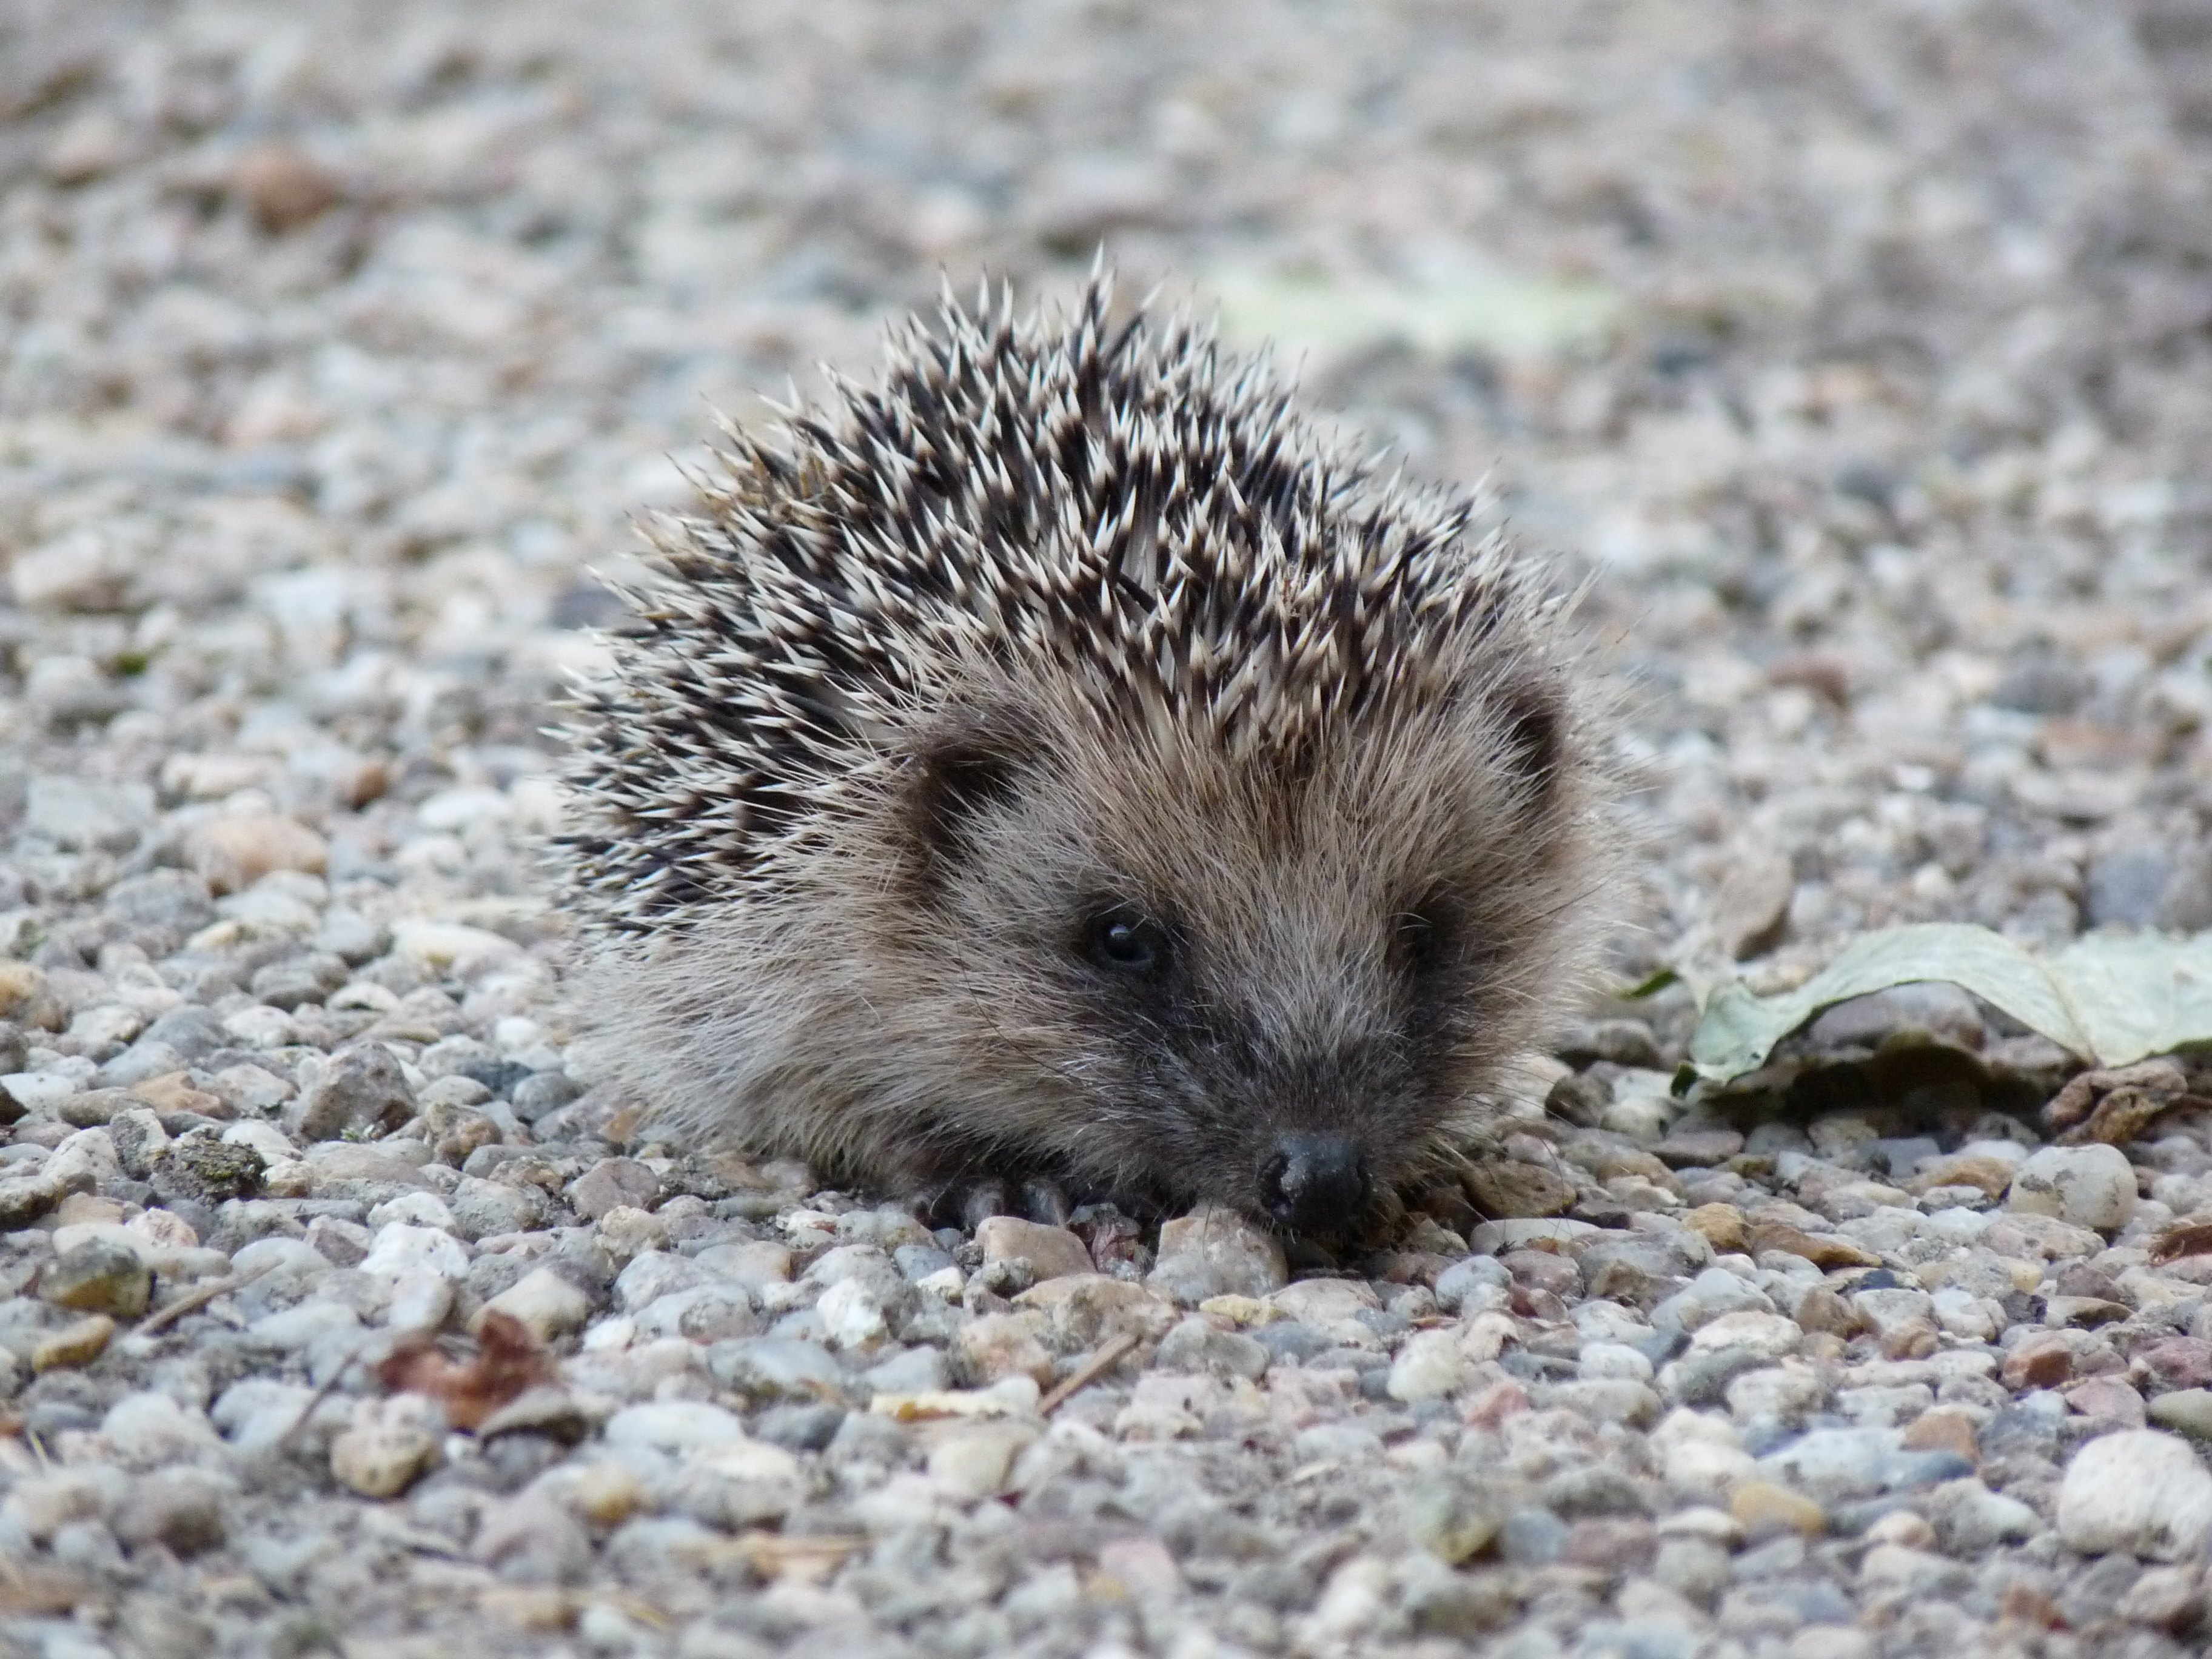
(338, 340)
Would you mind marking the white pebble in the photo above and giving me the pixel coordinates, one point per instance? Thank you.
(34, 1090)
(390, 1442)
(86, 1159)
(265, 1139)
(1960, 1313)
(2092, 1186)
(2139, 1492)
(1707, 1470)
(1767, 1334)
(1979, 1518)
(262, 1027)
(851, 1316)
(401, 1249)
(1613, 1359)
(972, 1462)
(1778, 1394)
(515, 1032)
(1428, 1367)
(610, 1335)
(254, 1414)
(417, 1209)
(674, 1426)
(149, 1430)
(362, 993)
(420, 1302)
(945, 1283)
(545, 1302)
(297, 1326)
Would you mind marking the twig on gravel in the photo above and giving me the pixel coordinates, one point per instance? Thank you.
(330, 1384)
(1109, 1355)
(192, 1301)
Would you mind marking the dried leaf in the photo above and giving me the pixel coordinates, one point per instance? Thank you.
(509, 1361)
(2188, 1238)
(803, 1559)
(1722, 1227)
(2124, 1115)
(28, 1591)
(2082, 1091)
(1992, 1174)
(1110, 1236)
(1825, 1251)
(2024, 1604)
(2127, 1102)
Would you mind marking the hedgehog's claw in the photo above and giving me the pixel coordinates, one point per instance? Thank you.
(969, 1204)
(1045, 1201)
(977, 1201)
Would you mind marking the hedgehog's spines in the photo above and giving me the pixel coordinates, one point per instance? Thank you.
(1108, 499)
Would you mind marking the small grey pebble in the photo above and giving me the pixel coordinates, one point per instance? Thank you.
(1532, 1538)
(799, 1428)
(919, 1261)
(1290, 1341)
(542, 1093)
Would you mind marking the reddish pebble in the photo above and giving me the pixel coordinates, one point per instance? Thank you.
(2040, 1362)
(2176, 1362)
(2108, 1400)
(1494, 1405)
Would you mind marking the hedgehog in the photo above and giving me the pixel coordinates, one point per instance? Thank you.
(1062, 770)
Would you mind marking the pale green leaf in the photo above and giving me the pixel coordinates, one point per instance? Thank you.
(2112, 999)
(2138, 995)
(1508, 316)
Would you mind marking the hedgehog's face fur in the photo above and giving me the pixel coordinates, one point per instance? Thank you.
(1184, 976)
(1061, 761)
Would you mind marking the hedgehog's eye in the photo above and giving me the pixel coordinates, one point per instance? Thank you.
(1122, 940)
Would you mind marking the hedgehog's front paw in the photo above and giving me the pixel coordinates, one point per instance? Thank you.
(968, 1204)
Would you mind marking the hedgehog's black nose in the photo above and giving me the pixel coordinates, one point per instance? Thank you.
(1315, 1183)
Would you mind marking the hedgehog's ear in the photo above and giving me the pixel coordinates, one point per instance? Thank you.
(971, 761)
(1533, 723)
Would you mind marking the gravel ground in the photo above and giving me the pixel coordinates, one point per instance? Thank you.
(339, 339)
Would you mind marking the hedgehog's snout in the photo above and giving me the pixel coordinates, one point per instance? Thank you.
(1315, 1183)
